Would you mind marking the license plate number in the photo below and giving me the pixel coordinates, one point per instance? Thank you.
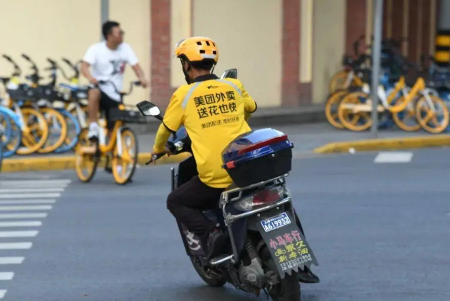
(275, 222)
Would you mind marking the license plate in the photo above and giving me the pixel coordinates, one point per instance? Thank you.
(275, 222)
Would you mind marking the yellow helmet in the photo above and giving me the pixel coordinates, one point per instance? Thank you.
(197, 50)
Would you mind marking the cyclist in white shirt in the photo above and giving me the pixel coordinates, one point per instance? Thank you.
(108, 60)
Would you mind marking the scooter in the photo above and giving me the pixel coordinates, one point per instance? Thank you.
(267, 246)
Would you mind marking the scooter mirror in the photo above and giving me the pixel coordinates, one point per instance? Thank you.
(230, 73)
(149, 109)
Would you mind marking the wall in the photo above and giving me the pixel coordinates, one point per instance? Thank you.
(47, 28)
(248, 34)
(328, 44)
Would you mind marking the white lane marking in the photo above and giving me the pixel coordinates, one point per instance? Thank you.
(24, 183)
(15, 245)
(22, 215)
(10, 234)
(31, 186)
(31, 196)
(2, 294)
(11, 260)
(6, 275)
(25, 208)
(393, 157)
(21, 224)
(8, 202)
(31, 190)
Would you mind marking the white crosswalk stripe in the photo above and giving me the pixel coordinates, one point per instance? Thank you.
(6, 275)
(27, 202)
(29, 195)
(10, 190)
(4, 234)
(23, 206)
(22, 215)
(11, 260)
(21, 224)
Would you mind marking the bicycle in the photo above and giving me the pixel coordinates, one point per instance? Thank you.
(1, 150)
(347, 77)
(73, 125)
(360, 104)
(47, 96)
(89, 153)
(12, 133)
(32, 123)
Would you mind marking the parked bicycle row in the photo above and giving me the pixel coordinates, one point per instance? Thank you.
(411, 96)
(42, 118)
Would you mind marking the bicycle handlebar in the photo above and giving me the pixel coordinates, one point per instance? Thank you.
(54, 66)
(356, 44)
(155, 157)
(17, 70)
(134, 83)
(74, 68)
(33, 65)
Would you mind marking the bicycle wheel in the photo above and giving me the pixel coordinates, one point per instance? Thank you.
(35, 131)
(73, 130)
(12, 135)
(123, 166)
(432, 121)
(331, 108)
(406, 119)
(57, 130)
(85, 164)
(358, 122)
(1, 152)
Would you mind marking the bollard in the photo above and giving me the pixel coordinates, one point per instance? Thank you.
(442, 52)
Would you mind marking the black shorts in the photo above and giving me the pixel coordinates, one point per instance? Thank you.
(106, 104)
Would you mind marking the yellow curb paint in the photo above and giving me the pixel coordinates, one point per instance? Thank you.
(61, 163)
(385, 144)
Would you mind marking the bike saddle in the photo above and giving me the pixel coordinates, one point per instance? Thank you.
(5, 79)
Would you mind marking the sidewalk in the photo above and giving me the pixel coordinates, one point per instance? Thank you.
(307, 138)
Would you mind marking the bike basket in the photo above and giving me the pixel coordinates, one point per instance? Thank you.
(50, 94)
(347, 61)
(28, 94)
(127, 116)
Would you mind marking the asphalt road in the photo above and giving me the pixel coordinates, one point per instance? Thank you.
(380, 231)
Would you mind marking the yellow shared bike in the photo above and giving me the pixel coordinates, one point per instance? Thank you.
(121, 150)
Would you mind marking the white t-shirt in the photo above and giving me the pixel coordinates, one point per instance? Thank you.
(110, 65)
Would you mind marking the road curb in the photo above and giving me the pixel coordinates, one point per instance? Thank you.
(68, 162)
(385, 144)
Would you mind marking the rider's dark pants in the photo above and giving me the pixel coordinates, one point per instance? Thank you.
(187, 202)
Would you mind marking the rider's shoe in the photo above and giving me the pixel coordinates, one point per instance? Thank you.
(307, 276)
(93, 131)
(217, 243)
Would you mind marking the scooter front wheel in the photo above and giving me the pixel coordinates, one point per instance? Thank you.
(210, 278)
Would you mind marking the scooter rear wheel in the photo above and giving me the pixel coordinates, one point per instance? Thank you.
(210, 279)
(289, 288)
